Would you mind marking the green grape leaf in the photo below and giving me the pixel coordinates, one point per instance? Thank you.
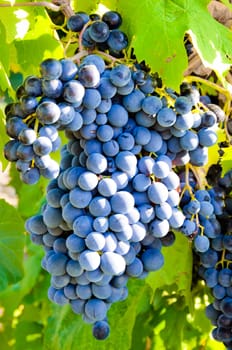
(86, 6)
(11, 297)
(226, 160)
(28, 335)
(157, 28)
(177, 269)
(16, 21)
(11, 245)
(39, 43)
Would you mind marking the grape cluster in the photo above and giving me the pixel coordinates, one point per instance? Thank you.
(113, 202)
(100, 32)
(213, 245)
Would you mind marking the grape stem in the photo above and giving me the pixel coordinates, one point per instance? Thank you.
(56, 5)
(223, 260)
(187, 187)
(81, 35)
(47, 4)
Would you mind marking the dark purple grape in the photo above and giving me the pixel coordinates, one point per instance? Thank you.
(113, 19)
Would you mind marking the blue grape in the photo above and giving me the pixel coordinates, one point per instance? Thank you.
(141, 182)
(117, 222)
(184, 121)
(144, 119)
(56, 264)
(117, 115)
(208, 119)
(110, 148)
(74, 92)
(127, 162)
(95, 309)
(147, 213)
(107, 187)
(126, 141)
(155, 142)
(135, 269)
(126, 89)
(35, 224)
(60, 298)
(159, 228)
(163, 211)
(80, 198)
(99, 206)
(70, 292)
(189, 227)
(201, 243)
(152, 259)
(99, 31)
(60, 281)
(82, 225)
(199, 156)
(51, 69)
(88, 181)
(69, 69)
(87, 41)
(95, 241)
(133, 101)
(105, 133)
(89, 260)
(92, 98)
(189, 141)
(31, 176)
(157, 193)
(207, 137)
(112, 263)
(52, 88)
(120, 75)
(54, 196)
(101, 330)
(75, 244)
(110, 242)
(89, 77)
(32, 86)
(27, 136)
(151, 105)
(224, 277)
(96, 60)
(84, 291)
(49, 131)
(100, 224)
(141, 135)
(96, 163)
(106, 88)
(139, 232)
(48, 112)
(117, 40)
(122, 202)
(182, 105)
(166, 117)
(75, 23)
(42, 146)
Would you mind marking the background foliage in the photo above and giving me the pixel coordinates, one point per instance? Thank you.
(165, 311)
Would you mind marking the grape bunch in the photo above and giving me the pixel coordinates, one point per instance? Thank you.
(114, 200)
(216, 259)
(100, 32)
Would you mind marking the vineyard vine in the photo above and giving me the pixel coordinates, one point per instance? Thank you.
(159, 88)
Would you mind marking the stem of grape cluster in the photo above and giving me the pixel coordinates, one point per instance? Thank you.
(47, 4)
